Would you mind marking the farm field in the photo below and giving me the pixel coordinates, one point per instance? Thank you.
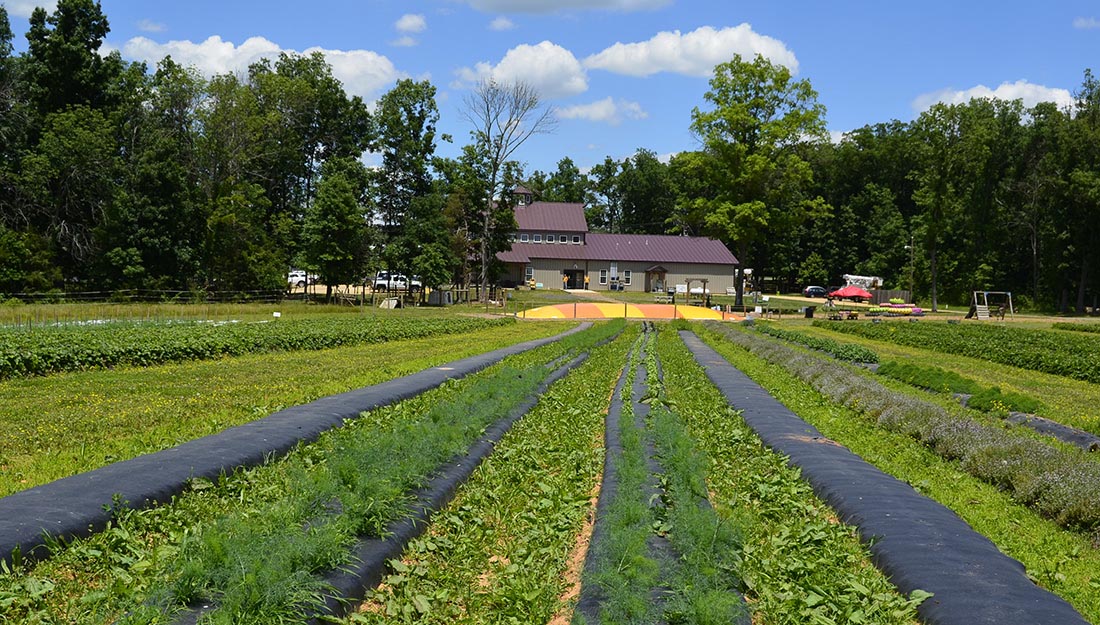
(1073, 402)
(712, 526)
(98, 417)
(1063, 559)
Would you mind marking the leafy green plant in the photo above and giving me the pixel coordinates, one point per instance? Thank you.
(1019, 531)
(499, 552)
(256, 540)
(841, 351)
(987, 399)
(797, 563)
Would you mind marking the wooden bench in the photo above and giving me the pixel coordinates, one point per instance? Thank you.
(662, 299)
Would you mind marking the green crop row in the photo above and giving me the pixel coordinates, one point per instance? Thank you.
(798, 564)
(1062, 484)
(1063, 561)
(256, 541)
(1093, 328)
(75, 348)
(987, 399)
(841, 351)
(501, 551)
(1073, 356)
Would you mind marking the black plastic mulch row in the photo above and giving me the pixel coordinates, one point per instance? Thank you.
(370, 556)
(76, 506)
(1064, 433)
(588, 603)
(916, 542)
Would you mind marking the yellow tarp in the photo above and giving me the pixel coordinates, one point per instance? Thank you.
(611, 310)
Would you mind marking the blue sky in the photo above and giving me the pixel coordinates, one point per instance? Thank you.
(624, 74)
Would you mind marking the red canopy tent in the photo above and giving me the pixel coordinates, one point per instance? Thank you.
(851, 292)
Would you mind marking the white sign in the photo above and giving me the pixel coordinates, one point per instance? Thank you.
(681, 288)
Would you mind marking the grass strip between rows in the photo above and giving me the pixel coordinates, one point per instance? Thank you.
(799, 564)
(56, 426)
(841, 351)
(987, 399)
(258, 540)
(499, 552)
(1062, 561)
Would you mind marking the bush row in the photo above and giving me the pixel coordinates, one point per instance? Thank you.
(841, 351)
(1057, 353)
(76, 348)
(987, 399)
(1093, 328)
(1061, 484)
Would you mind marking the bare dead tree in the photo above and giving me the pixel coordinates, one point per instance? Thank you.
(504, 116)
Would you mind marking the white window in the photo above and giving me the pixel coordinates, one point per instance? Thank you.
(536, 238)
(523, 238)
(563, 239)
(614, 271)
(603, 276)
(626, 277)
(529, 273)
(551, 238)
(576, 239)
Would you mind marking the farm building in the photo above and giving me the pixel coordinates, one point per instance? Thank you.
(552, 247)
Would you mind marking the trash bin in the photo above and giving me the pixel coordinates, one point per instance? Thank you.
(810, 312)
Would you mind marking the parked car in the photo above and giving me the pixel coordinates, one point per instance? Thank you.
(814, 291)
(299, 278)
(386, 281)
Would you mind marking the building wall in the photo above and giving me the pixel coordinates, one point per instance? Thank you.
(549, 272)
(557, 234)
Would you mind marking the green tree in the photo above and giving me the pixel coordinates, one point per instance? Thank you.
(937, 193)
(334, 232)
(646, 194)
(760, 116)
(63, 65)
(69, 181)
(605, 210)
(566, 184)
(406, 118)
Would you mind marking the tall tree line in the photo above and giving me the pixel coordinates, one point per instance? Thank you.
(114, 175)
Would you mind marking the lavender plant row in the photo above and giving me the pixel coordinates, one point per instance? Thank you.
(840, 351)
(1061, 484)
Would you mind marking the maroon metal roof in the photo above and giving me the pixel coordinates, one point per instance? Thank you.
(524, 252)
(658, 249)
(647, 248)
(552, 216)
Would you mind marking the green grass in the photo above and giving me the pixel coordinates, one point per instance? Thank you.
(987, 399)
(1063, 561)
(799, 565)
(61, 425)
(499, 552)
(1070, 402)
(35, 315)
(255, 539)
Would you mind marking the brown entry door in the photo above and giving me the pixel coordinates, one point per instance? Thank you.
(575, 279)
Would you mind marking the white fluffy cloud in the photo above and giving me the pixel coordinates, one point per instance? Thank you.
(1086, 23)
(411, 23)
(607, 110)
(24, 8)
(548, 67)
(554, 6)
(364, 73)
(404, 42)
(693, 54)
(1030, 93)
(501, 23)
